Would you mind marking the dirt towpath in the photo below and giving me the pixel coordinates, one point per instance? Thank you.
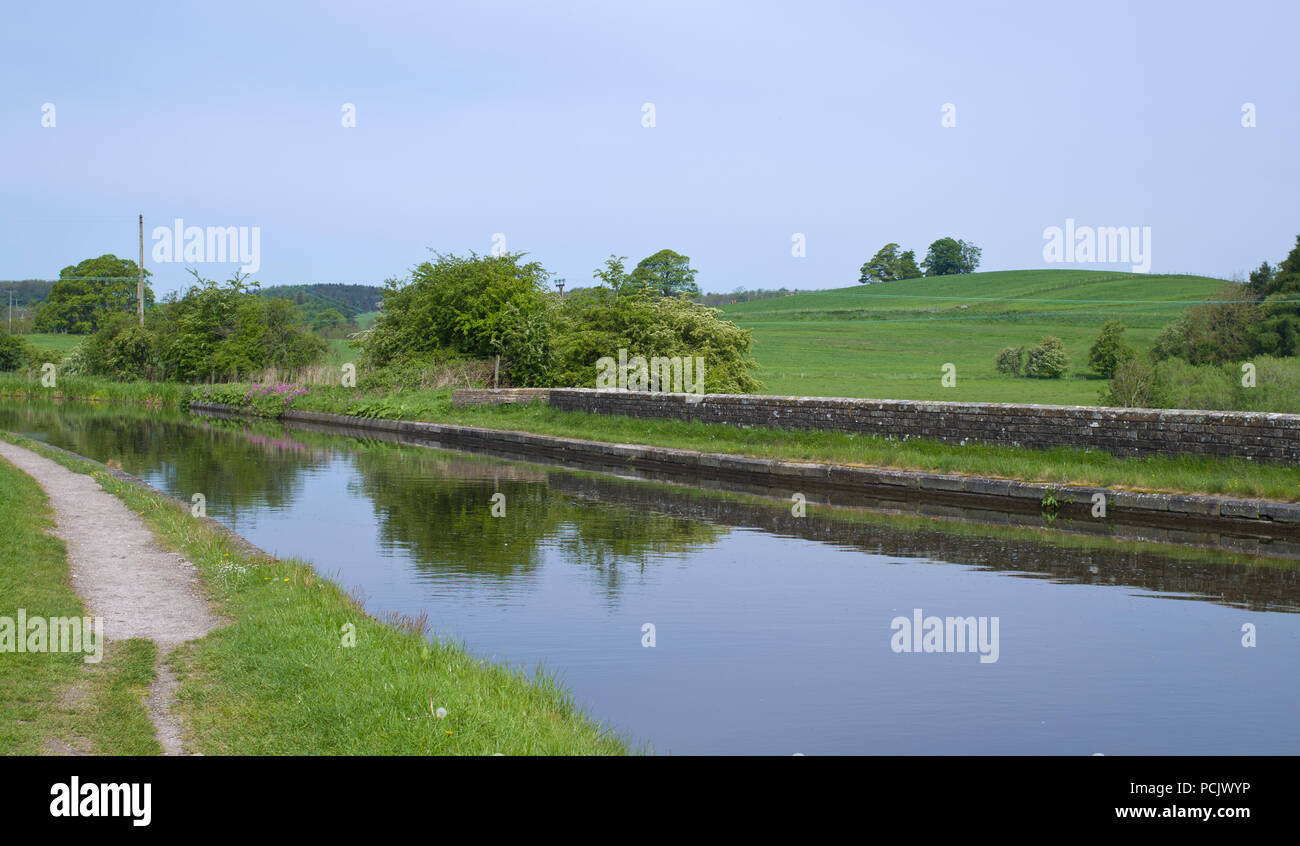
(123, 575)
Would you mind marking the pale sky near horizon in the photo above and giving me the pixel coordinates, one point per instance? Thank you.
(771, 119)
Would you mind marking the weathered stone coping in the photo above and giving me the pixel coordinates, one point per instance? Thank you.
(1252, 516)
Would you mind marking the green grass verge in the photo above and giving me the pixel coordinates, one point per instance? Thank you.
(280, 679)
(53, 702)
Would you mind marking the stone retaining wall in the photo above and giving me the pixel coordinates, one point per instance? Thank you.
(498, 396)
(1247, 516)
(1121, 431)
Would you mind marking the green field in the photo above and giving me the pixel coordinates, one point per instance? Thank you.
(340, 352)
(59, 342)
(891, 340)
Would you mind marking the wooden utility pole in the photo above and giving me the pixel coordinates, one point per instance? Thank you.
(139, 287)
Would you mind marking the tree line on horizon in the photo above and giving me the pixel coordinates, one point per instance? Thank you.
(945, 257)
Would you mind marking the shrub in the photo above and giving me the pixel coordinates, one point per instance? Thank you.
(1047, 360)
(1186, 385)
(15, 352)
(1174, 383)
(598, 323)
(480, 306)
(1227, 329)
(1277, 386)
(1011, 361)
(211, 332)
(1136, 383)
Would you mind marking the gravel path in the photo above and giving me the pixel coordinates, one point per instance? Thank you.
(123, 575)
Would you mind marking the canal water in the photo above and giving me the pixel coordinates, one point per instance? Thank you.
(772, 633)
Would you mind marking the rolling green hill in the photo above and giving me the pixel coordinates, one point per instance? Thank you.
(347, 300)
(890, 340)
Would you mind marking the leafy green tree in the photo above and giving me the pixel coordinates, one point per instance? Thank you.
(948, 256)
(330, 318)
(87, 293)
(614, 274)
(1109, 349)
(889, 264)
(1279, 330)
(666, 273)
(283, 341)
(1261, 279)
(883, 266)
(906, 267)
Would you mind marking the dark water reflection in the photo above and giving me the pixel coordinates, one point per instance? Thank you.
(773, 631)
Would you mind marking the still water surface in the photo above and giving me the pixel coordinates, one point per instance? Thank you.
(773, 633)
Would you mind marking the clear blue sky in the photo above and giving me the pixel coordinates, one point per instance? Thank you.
(526, 119)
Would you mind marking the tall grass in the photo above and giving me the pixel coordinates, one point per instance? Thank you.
(1213, 387)
(94, 389)
(453, 373)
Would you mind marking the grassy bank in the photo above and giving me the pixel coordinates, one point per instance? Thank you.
(92, 389)
(1062, 465)
(55, 702)
(283, 678)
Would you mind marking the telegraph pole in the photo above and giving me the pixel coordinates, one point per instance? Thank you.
(139, 288)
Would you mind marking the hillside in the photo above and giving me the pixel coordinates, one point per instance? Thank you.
(347, 300)
(26, 292)
(890, 340)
